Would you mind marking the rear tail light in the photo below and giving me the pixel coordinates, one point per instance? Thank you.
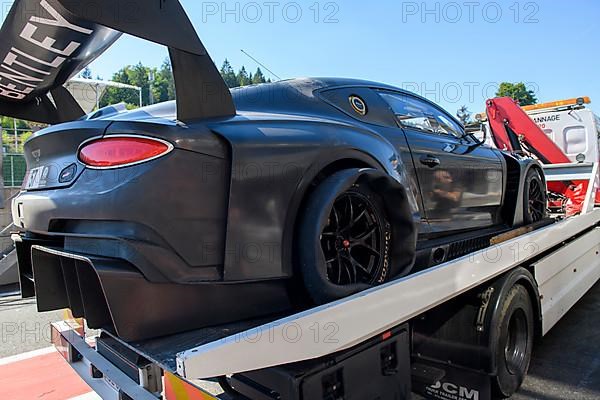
(122, 151)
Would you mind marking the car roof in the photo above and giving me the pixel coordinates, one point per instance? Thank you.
(264, 97)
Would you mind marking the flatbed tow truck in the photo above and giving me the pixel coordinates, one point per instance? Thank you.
(460, 330)
(438, 332)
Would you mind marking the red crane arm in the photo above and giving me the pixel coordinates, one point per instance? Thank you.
(512, 129)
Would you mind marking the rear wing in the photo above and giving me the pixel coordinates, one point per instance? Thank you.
(43, 43)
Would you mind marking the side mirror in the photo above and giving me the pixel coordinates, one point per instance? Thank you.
(474, 130)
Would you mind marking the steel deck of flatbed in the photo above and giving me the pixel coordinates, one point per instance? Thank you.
(163, 351)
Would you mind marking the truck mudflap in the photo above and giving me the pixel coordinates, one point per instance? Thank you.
(457, 384)
(98, 369)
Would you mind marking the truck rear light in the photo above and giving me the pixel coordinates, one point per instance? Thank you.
(122, 151)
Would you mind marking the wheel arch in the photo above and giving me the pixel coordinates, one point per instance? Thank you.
(538, 167)
(516, 172)
(363, 168)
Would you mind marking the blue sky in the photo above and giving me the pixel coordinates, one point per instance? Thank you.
(452, 52)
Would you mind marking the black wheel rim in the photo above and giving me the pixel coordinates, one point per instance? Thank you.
(537, 203)
(353, 241)
(515, 349)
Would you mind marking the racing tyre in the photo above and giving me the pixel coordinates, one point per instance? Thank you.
(343, 240)
(534, 198)
(513, 342)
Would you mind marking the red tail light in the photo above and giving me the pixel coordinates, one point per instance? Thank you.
(120, 151)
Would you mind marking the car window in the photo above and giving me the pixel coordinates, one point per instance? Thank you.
(417, 114)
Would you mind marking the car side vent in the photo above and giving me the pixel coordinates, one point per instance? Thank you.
(464, 247)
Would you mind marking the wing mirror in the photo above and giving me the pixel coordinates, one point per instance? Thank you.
(478, 132)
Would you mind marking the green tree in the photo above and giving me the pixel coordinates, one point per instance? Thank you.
(258, 77)
(464, 115)
(229, 75)
(517, 91)
(163, 87)
(136, 75)
(243, 79)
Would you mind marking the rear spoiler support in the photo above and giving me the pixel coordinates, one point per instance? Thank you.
(57, 29)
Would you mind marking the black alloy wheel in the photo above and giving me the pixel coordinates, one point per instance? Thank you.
(353, 241)
(535, 198)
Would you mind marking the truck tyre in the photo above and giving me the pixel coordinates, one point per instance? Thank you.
(534, 198)
(513, 341)
(343, 240)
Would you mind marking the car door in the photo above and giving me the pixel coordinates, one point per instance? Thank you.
(461, 181)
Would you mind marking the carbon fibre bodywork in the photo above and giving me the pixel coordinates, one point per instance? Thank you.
(217, 212)
(206, 233)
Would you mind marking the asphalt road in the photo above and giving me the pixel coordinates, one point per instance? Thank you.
(566, 363)
(565, 366)
(22, 328)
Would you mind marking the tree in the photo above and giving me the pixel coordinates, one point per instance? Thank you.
(258, 77)
(243, 79)
(464, 115)
(86, 73)
(136, 75)
(517, 91)
(163, 87)
(228, 75)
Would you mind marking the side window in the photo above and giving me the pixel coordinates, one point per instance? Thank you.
(417, 114)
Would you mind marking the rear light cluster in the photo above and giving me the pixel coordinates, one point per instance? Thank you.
(122, 151)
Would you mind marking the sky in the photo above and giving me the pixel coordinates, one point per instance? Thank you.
(453, 53)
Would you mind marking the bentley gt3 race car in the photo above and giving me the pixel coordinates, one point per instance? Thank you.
(226, 205)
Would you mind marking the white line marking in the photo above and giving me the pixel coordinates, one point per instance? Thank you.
(27, 356)
(87, 396)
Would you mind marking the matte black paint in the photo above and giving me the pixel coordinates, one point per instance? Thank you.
(339, 376)
(221, 209)
(223, 205)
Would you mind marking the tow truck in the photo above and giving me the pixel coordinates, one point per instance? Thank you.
(460, 330)
(556, 133)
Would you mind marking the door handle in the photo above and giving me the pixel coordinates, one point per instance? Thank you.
(430, 161)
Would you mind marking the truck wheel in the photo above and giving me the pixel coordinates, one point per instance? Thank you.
(513, 338)
(344, 239)
(534, 196)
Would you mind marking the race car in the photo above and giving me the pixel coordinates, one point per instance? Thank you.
(230, 204)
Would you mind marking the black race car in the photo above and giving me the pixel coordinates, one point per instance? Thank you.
(226, 205)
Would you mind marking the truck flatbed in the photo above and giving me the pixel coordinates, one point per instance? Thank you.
(163, 351)
(354, 319)
(561, 258)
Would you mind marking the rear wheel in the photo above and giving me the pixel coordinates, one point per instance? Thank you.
(535, 200)
(513, 341)
(344, 240)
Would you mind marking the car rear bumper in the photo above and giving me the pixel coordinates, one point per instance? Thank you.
(112, 294)
(167, 217)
